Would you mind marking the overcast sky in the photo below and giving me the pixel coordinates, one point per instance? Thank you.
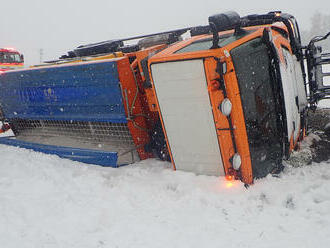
(57, 26)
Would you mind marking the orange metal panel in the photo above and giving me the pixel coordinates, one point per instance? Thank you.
(138, 121)
(238, 122)
(221, 122)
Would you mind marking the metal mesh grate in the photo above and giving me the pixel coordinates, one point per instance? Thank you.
(114, 137)
(1, 115)
(113, 133)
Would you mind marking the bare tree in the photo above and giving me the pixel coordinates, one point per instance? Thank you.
(320, 25)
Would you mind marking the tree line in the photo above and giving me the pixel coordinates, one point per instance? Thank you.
(320, 25)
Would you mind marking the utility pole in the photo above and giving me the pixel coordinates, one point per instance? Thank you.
(41, 53)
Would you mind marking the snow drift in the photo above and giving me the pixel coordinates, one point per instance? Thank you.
(46, 201)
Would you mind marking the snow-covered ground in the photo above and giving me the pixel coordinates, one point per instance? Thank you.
(324, 104)
(46, 201)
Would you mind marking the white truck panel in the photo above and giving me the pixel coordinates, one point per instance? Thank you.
(183, 98)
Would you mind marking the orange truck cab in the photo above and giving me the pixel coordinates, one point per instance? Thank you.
(232, 99)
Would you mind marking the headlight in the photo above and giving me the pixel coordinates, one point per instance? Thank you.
(237, 161)
(225, 107)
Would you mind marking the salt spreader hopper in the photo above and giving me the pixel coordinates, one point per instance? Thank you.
(81, 111)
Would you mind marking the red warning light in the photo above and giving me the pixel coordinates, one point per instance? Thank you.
(229, 177)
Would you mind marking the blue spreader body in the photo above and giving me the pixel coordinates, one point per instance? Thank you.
(88, 156)
(78, 92)
(81, 92)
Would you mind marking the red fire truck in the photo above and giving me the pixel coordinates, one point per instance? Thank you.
(10, 59)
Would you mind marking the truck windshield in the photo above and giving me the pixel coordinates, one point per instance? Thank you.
(257, 89)
(206, 44)
(9, 57)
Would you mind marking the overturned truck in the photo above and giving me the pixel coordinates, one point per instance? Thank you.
(231, 100)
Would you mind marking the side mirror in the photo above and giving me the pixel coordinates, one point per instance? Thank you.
(221, 22)
(22, 58)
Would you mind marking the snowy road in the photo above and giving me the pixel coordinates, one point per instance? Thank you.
(46, 201)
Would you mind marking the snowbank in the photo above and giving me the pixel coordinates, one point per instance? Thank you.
(324, 104)
(46, 201)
